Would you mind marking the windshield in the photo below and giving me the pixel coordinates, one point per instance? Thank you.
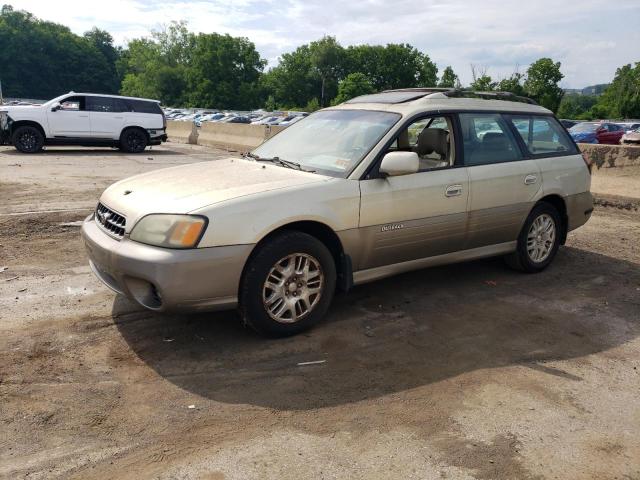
(331, 142)
(584, 127)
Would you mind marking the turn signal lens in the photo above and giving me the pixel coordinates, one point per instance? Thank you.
(170, 231)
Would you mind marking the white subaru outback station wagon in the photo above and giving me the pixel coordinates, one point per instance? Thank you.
(380, 185)
(84, 119)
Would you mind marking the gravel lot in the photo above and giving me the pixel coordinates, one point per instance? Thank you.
(466, 371)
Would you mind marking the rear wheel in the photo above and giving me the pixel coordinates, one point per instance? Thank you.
(288, 285)
(27, 139)
(133, 140)
(538, 241)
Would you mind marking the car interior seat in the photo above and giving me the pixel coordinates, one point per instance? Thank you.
(433, 148)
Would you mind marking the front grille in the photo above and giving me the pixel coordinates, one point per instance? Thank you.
(111, 222)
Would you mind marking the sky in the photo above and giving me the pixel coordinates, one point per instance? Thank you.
(591, 38)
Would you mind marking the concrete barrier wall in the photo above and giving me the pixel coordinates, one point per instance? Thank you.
(182, 132)
(236, 136)
(607, 156)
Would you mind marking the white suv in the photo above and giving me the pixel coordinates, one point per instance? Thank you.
(85, 119)
(377, 186)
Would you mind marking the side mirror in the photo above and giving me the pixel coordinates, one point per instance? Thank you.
(56, 106)
(400, 163)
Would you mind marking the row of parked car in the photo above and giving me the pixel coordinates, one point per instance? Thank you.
(609, 133)
(257, 117)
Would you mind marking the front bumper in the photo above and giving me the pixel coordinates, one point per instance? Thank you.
(163, 279)
(4, 128)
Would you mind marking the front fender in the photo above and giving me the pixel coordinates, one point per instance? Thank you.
(247, 220)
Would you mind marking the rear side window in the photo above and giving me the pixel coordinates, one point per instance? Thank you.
(487, 139)
(542, 135)
(106, 104)
(142, 106)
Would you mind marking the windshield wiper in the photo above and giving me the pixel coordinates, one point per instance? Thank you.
(278, 161)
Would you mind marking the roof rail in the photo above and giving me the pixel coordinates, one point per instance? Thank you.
(421, 90)
(507, 96)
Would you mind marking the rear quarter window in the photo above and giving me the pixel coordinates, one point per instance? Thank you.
(543, 135)
(142, 106)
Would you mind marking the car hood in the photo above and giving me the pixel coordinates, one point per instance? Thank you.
(186, 188)
(19, 108)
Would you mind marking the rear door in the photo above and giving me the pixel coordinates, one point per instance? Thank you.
(107, 116)
(502, 183)
(71, 120)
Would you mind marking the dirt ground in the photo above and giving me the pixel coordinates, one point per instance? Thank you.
(469, 371)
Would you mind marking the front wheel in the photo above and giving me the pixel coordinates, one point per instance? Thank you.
(288, 285)
(538, 241)
(133, 140)
(27, 139)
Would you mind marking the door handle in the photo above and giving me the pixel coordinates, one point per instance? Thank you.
(83, 116)
(118, 118)
(530, 179)
(453, 191)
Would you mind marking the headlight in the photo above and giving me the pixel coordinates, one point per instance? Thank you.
(170, 231)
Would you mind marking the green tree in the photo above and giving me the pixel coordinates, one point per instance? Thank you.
(156, 67)
(449, 79)
(327, 59)
(353, 85)
(577, 107)
(293, 82)
(621, 99)
(224, 72)
(543, 77)
(428, 75)
(41, 59)
(512, 84)
(483, 83)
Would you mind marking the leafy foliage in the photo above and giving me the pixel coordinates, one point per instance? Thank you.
(41, 59)
(353, 85)
(621, 99)
(543, 77)
(449, 79)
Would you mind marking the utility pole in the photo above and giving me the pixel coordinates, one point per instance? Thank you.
(1, 97)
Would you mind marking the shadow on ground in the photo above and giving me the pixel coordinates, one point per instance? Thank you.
(399, 333)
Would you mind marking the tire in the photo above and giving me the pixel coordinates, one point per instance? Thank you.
(282, 311)
(27, 139)
(536, 251)
(133, 140)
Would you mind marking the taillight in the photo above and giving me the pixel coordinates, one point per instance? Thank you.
(587, 162)
(164, 121)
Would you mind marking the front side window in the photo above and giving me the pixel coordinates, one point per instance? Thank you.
(330, 142)
(72, 104)
(487, 139)
(431, 138)
(542, 135)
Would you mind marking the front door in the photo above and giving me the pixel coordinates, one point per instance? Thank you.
(71, 120)
(418, 215)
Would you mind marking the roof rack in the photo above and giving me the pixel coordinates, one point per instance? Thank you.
(507, 96)
(465, 93)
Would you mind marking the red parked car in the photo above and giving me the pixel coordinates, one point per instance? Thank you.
(601, 132)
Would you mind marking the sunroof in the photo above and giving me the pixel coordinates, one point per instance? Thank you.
(388, 97)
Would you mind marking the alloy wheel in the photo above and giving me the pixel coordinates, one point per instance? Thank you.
(541, 238)
(293, 288)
